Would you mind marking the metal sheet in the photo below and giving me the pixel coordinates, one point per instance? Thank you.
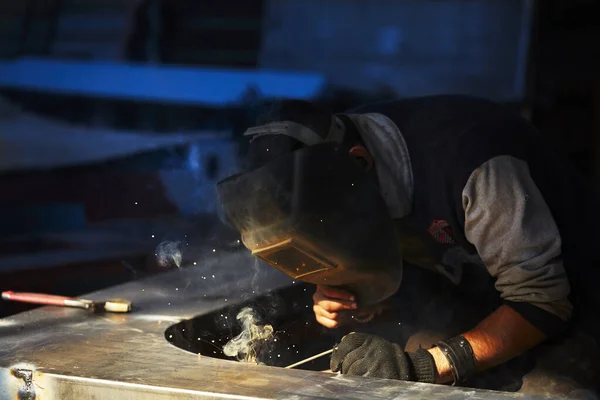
(31, 141)
(145, 82)
(57, 353)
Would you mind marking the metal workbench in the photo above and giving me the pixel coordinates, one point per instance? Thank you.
(59, 353)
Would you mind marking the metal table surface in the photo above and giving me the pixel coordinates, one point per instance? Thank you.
(60, 353)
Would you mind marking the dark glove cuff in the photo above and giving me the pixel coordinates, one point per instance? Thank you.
(423, 366)
(460, 356)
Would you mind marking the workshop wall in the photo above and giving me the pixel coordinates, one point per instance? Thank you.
(412, 47)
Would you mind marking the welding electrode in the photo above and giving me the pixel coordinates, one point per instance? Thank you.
(111, 305)
(310, 358)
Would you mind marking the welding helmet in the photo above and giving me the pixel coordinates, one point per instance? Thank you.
(315, 214)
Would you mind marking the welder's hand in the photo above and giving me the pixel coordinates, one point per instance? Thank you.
(332, 305)
(361, 354)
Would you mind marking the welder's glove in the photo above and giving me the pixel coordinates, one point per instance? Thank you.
(361, 354)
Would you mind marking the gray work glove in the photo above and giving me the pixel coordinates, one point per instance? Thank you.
(361, 354)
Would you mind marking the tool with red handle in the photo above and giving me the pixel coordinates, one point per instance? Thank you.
(112, 305)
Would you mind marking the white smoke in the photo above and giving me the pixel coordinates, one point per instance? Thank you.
(245, 346)
(168, 253)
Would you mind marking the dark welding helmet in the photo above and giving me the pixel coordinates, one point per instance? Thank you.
(316, 215)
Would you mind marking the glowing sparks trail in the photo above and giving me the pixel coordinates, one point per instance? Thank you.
(245, 345)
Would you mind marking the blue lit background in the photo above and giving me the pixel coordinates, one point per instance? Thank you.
(121, 115)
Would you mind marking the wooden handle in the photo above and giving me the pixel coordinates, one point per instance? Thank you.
(38, 298)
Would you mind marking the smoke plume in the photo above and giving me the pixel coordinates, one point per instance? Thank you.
(168, 253)
(253, 337)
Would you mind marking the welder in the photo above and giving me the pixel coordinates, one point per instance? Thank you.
(485, 223)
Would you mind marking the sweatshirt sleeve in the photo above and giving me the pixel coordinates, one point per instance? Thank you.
(512, 228)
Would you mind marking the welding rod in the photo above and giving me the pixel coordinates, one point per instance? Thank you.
(310, 359)
(111, 305)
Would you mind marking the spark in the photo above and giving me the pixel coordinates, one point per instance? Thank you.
(214, 250)
(176, 288)
(213, 276)
(135, 203)
(194, 262)
(151, 235)
(170, 336)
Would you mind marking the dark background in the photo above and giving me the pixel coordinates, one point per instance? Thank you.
(94, 214)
